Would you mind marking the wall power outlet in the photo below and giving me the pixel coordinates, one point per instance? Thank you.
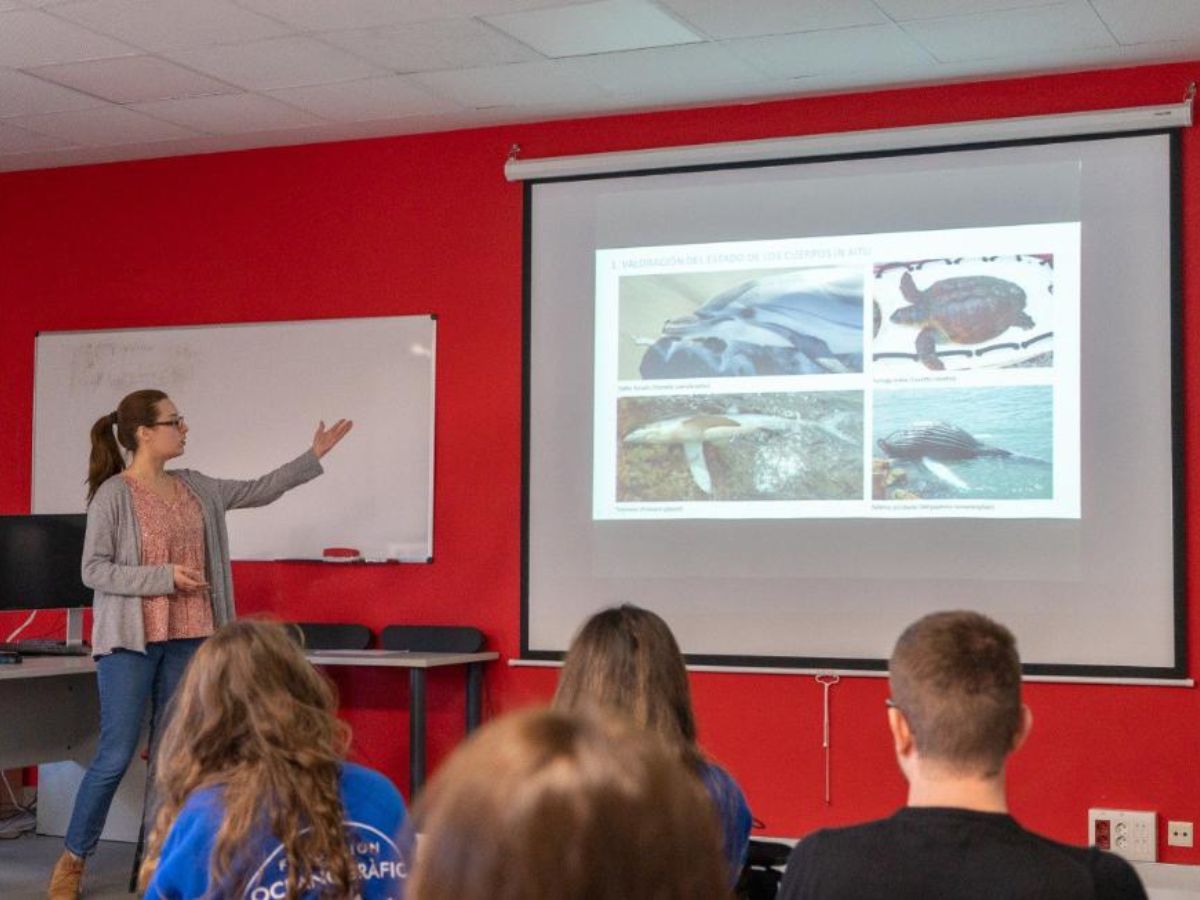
(1131, 833)
(1179, 834)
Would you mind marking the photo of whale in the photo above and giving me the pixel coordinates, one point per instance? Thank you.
(992, 443)
(968, 313)
(741, 323)
(761, 447)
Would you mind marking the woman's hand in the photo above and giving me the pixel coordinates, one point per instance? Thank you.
(327, 438)
(188, 579)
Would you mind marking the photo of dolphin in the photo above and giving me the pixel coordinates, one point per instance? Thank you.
(794, 322)
(963, 443)
(782, 446)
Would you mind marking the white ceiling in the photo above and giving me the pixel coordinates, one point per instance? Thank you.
(98, 80)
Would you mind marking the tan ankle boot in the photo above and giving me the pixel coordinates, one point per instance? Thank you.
(67, 878)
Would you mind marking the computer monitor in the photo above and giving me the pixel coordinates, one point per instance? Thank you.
(40, 560)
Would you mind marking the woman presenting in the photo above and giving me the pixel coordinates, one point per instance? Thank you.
(156, 553)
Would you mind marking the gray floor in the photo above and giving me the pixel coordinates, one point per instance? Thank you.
(26, 861)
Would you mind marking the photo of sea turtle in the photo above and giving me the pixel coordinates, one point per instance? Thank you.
(742, 323)
(771, 446)
(965, 313)
(963, 443)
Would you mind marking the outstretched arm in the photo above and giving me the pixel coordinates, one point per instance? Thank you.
(326, 439)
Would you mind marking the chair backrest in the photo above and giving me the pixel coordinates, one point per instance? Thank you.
(331, 635)
(432, 638)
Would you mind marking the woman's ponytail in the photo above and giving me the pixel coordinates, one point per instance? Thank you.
(105, 459)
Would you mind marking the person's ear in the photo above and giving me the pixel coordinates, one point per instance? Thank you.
(1024, 728)
(902, 739)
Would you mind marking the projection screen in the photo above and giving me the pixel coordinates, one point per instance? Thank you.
(793, 406)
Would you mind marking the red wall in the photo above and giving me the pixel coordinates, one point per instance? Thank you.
(428, 224)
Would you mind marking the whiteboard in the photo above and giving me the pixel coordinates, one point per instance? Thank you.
(252, 395)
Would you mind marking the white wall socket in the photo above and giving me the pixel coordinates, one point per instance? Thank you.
(1179, 834)
(1131, 833)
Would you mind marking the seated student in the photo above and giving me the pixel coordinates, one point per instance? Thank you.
(625, 660)
(256, 798)
(955, 716)
(548, 805)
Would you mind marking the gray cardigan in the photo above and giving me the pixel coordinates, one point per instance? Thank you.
(112, 549)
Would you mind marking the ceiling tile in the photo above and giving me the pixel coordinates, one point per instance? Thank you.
(276, 63)
(166, 24)
(327, 15)
(904, 10)
(24, 95)
(390, 97)
(106, 125)
(1017, 33)
(230, 114)
(1148, 20)
(30, 37)
(836, 50)
(602, 27)
(471, 8)
(514, 85)
(429, 46)
(20, 140)
(133, 79)
(664, 71)
(722, 19)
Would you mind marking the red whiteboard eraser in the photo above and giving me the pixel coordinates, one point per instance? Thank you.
(341, 554)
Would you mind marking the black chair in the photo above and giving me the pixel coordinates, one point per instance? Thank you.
(330, 635)
(760, 876)
(432, 638)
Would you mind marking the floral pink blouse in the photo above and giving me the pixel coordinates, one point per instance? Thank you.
(172, 534)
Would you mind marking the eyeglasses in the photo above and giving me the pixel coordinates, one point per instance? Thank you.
(175, 423)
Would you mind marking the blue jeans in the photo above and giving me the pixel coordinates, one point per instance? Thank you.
(128, 682)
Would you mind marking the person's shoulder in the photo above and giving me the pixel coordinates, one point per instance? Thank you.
(364, 787)
(110, 489)
(1114, 878)
(206, 804)
(826, 842)
(364, 778)
(718, 779)
(823, 862)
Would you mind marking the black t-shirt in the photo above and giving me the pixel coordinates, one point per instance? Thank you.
(935, 853)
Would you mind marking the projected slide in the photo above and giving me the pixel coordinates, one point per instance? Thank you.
(919, 374)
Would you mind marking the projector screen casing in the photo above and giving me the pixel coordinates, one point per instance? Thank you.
(1098, 596)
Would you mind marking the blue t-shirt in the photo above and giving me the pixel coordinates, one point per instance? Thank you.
(734, 813)
(374, 813)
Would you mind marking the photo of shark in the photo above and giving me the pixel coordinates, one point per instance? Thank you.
(772, 446)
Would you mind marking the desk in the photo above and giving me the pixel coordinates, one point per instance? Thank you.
(50, 709)
(50, 717)
(417, 663)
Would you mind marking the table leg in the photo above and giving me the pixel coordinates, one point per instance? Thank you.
(474, 693)
(416, 731)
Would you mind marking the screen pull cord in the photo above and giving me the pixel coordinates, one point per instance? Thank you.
(826, 681)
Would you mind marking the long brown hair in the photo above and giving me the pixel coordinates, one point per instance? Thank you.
(134, 410)
(542, 805)
(626, 660)
(255, 719)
